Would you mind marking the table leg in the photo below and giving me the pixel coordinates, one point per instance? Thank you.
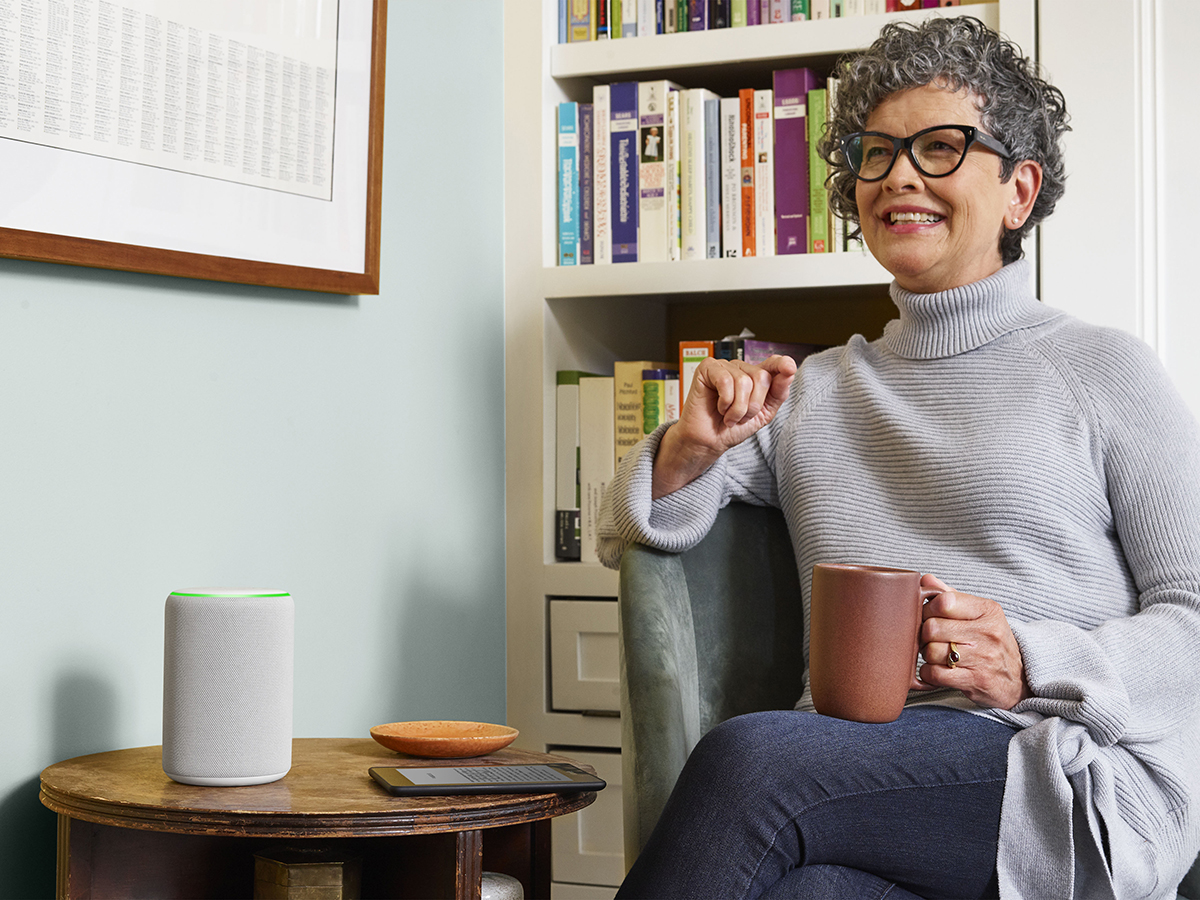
(468, 865)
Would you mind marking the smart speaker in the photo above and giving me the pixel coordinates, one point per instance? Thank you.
(227, 686)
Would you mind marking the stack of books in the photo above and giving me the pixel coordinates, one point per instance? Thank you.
(653, 172)
(592, 20)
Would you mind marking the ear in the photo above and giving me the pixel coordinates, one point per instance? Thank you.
(1026, 182)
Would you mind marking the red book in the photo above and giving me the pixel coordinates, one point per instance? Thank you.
(748, 233)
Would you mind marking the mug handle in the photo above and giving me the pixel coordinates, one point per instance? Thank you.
(917, 684)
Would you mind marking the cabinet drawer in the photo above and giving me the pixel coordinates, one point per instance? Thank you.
(584, 664)
(587, 846)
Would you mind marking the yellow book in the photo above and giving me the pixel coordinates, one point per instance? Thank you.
(627, 402)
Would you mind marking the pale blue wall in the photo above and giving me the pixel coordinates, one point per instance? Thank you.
(158, 433)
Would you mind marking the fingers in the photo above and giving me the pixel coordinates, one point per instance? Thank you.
(744, 390)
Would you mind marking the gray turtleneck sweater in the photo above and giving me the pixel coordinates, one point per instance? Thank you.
(1022, 455)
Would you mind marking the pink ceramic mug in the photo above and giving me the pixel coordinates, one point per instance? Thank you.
(864, 633)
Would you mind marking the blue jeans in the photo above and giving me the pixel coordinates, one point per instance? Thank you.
(796, 805)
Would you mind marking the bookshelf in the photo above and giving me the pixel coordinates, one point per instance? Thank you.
(587, 317)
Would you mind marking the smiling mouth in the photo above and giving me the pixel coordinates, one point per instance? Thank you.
(919, 217)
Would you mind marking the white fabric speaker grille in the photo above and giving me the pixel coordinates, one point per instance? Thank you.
(227, 687)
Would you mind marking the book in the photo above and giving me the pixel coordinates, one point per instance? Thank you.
(623, 170)
(654, 228)
(660, 398)
(731, 177)
(819, 9)
(753, 12)
(698, 15)
(818, 195)
(580, 26)
(564, 22)
(614, 19)
(781, 11)
(800, 10)
(646, 17)
(568, 184)
(691, 354)
(750, 349)
(719, 14)
(586, 193)
(601, 182)
(764, 174)
(746, 124)
(712, 177)
(600, 17)
(672, 177)
(566, 471)
(596, 460)
(627, 403)
(792, 200)
(737, 14)
(693, 202)
(681, 15)
(629, 18)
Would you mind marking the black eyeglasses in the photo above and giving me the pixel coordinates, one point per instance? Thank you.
(936, 152)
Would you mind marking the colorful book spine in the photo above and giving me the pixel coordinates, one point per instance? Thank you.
(698, 15)
(566, 474)
(657, 404)
(737, 14)
(691, 354)
(712, 177)
(792, 201)
(580, 26)
(753, 16)
(749, 207)
(586, 184)
(731, 177)
(764, 174)
(800, 10)
(681, 15)
(693, 182)
(627, 403)
(781, 11)
(596, 465)
(601, 180)
(764, 12)
(614, 18)
(672, 177)
(623, 170)
(629, 18)
(818, 195)
(654, 227)
(601, 19)
(568, 184)
(660, 16)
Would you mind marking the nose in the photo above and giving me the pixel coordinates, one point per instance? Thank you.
(904, 175)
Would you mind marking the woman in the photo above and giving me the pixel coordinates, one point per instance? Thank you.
(1043, 468)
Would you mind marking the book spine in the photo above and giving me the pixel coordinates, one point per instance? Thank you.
(792, 201)
(737, 14)
(818, 208)
(586, 185)
(874, 7)
(614, 18)
(691, 180)
(627, 403)
(799, 11)
(819, 9)
(681, 15)
(712, 177)
(623, 170)
(764, 175)
(568, 184)
(731, 177)
(671, 404)
(756, 351)
(854, 8)
(600, 17)
(654, 397)
(581, 21)
(653, 225)
(601, 180)
(746, 131)
(566, 475)
(564, 22)
(629, 18)
(670, 17)
(645, 17)
(671, 164)
(596, 465)
(697, 15)
(691, 354)
(752, 13)
(781, 11)
(719, 15)
(660, 16)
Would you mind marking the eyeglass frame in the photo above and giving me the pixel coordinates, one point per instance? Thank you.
(972, 134)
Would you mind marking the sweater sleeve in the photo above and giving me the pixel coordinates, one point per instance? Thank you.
(1135, 679)
(680, 519)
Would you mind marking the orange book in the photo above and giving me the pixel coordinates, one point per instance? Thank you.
(746, 97)
(691, 354)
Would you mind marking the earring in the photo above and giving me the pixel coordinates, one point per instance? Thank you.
(1016, 221)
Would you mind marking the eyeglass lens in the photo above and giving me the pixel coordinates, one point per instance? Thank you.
(934, 152)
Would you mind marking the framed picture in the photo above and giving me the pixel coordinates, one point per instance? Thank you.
(231, 140)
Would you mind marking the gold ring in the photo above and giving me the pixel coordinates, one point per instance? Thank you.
(953, 658)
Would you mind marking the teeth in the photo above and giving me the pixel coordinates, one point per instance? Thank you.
(915, 217)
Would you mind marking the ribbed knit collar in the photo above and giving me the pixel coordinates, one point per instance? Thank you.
(933, 326)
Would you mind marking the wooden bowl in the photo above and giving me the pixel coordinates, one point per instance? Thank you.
(444, 739)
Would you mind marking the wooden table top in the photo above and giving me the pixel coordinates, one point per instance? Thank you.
(327, 793)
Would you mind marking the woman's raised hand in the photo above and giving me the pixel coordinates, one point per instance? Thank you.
(988, 668)
(728, 401)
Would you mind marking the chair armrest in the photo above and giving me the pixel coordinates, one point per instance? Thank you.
(658, 656)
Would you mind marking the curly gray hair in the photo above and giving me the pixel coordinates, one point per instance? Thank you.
(1018, 107)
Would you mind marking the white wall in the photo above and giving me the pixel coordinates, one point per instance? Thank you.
(158, 433)
(1118, 251)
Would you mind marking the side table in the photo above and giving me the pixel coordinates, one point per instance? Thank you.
(125, 829)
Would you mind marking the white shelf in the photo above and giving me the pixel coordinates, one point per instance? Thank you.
(726, 46)
(795, 272)
(577, 579)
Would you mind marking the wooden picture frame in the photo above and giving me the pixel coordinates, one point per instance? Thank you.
(229, 264)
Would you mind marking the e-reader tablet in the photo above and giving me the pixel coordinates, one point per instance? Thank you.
(542, 778)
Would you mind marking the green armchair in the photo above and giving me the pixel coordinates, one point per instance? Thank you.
(705, 635)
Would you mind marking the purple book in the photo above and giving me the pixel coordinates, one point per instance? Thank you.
(791, 158)
(698, 15)
(752, 12)
(623, 170)
(586, 201)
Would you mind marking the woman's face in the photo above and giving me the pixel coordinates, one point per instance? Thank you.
(934, 234)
